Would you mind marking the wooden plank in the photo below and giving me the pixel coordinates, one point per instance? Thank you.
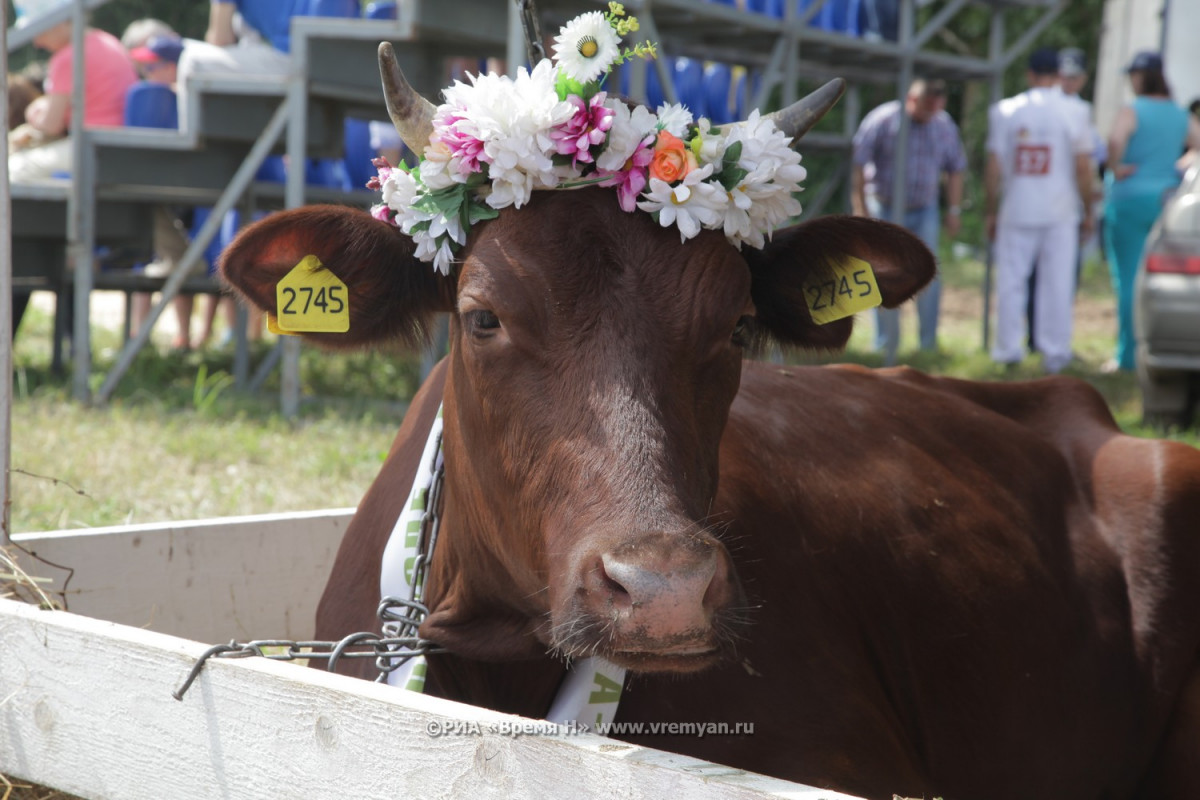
(86, 707)
(253, 577)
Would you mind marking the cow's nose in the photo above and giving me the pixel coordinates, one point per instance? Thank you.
(661, 586)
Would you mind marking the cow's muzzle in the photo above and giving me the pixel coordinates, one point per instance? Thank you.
(654, 602)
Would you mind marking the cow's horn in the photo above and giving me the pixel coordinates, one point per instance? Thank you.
(798, 118)
(411, 113)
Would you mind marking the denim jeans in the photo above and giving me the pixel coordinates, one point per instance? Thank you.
(926, 224)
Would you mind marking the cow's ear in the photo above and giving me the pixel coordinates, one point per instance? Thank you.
(805, 255)
(392, 295)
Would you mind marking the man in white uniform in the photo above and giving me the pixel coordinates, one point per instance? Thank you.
(1037, 181)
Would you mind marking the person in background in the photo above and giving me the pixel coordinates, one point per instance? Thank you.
(41, 147)
(1038, 186)
(251, 37)
(140, 31)
(157, 58)
(21, 92)
(1072, 77)
(1144, 147)
(934, 148)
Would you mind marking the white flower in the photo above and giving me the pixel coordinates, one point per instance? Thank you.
(398, 190)
(767, 150)
(436, 169)
(691, 204)
(513, 119)
(739, 226)
(586, 47)
(763, 200)
(630, 127)
(674, 119)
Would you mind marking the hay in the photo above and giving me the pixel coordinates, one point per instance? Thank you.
(17, 584)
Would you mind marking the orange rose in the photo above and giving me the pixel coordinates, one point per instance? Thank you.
(672, 159)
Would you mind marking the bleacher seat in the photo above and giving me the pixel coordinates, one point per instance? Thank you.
(772, 8)
(838, 16)
(151, 105)
(386, 9)
(689, 85)
(357, 161)
(332, 8)
(718, 80)
(654, 92)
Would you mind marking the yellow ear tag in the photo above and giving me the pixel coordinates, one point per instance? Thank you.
(310, 299)
(850, 289)
(273, 326)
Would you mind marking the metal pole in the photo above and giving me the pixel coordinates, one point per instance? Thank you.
(79, 218)
(237, 184)
(297, 151)
(6, 308)
(514, 54)
(996, 86)
(904, 80)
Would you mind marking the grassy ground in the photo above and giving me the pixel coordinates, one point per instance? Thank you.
(179, 443)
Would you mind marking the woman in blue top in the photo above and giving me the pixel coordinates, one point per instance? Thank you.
(1144, 149)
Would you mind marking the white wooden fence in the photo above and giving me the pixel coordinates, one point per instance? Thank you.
(86, 702)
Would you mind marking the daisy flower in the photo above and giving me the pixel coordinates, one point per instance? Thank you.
(691, 204)
(586, 47)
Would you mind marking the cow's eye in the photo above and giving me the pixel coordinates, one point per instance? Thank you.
(742, 331)
(482, 322)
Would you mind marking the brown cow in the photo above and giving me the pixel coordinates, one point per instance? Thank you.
(909, 584)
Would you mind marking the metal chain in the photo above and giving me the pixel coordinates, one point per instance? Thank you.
(400, 617)
(534, 43)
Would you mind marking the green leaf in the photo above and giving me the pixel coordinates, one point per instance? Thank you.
(730, 177)
(732, 153)
(567, 86)
(479, 211)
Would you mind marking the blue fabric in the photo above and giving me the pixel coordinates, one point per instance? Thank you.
(926, 224)
(151, 105)
(1127, 222)
(273, 18)
(1153, 148)
(1133, 204)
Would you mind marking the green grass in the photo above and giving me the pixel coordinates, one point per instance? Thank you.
(177, 442)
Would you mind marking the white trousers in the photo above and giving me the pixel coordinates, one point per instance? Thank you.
(1052, 248)
(249, 57)
(41, 161)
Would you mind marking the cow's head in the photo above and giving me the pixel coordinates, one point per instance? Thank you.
(593, 360)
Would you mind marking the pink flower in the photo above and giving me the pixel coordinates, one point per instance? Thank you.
(583, 131)
(456, 132)
(630, 180)
(384, 167)
(382, 213)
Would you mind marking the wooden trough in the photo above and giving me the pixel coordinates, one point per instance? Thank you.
(86, 701)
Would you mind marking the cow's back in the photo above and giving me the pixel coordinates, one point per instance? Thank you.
(945, 574)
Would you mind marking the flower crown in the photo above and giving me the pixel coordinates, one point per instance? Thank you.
(497, 139)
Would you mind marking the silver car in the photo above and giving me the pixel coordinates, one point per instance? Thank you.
(1167, 309)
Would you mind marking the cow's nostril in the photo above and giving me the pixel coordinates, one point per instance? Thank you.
(611, 589)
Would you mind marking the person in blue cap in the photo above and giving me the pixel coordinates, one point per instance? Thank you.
(1144, 147)
(1038, 185)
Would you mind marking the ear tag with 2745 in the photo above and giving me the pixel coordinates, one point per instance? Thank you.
(849, 288)
(311, 299)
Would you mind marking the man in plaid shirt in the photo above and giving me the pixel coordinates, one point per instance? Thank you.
(934, 148)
